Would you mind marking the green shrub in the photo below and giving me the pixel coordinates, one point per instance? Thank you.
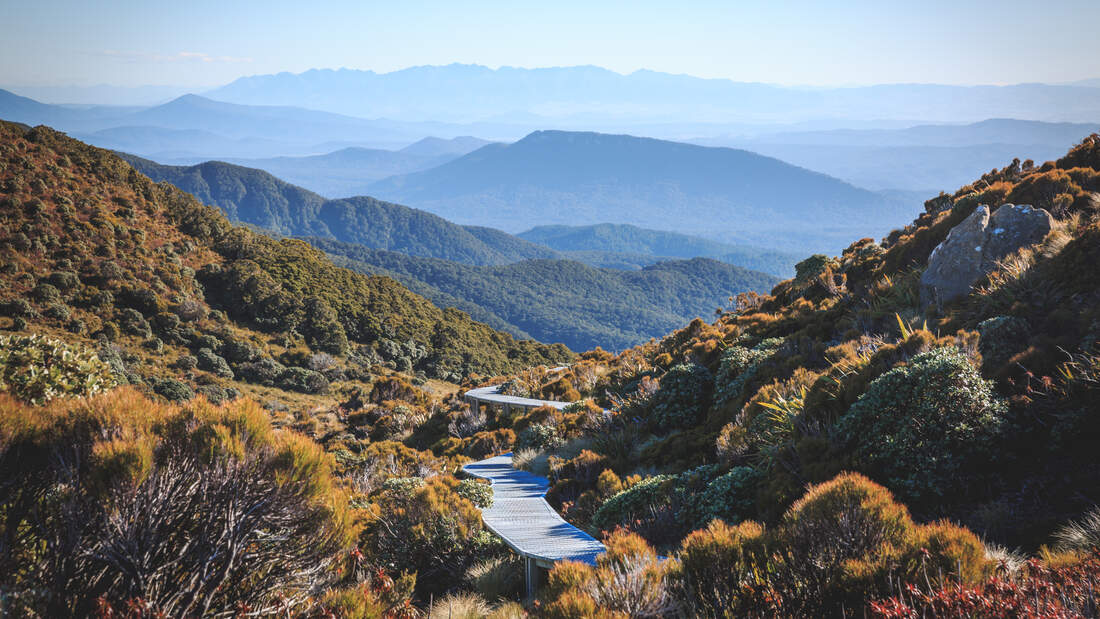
(478, 493)
(737, 366)
(37, 369)
(64, 280)
(632, 503)
(46, 293)
(239, 351)
(57, 311)
(216, 394)
(17, 308)
(211, 362)
(18, 323)
(173, 390)
(266, 371)
(730, 497)
(925, 429)
(811, 267)
(539, 436)
(1001, 337)
(682, 398)
(186, 363)
(132, 322)
(303, 380)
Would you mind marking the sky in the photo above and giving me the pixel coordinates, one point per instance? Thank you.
(203, 43)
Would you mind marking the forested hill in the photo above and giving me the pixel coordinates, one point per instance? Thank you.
(562, 300)
(623, 240)
(103, 252)
(560, 177)
(256, 197)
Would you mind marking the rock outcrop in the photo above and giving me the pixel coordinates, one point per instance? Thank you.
(973, 248)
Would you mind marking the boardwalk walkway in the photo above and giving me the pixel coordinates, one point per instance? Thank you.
(522, 518)
(520, 514)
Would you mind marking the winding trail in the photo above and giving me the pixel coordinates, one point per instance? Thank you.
(520, 514)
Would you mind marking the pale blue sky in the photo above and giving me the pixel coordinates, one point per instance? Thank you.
(197, 43)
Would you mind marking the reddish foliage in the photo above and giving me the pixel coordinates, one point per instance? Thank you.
(1040, 592)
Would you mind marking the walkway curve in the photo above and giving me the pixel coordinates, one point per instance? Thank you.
(521, 516)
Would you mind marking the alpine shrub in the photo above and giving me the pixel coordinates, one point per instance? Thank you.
(213, 363)
(924, 428)
(682, 398)
(37, 369)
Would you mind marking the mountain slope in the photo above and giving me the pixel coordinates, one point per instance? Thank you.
(122, 253)
(555, 177)
(550, 299)
(258, 198)
(565, 301)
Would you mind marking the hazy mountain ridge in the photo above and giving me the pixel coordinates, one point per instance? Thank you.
(929, 158)
(570, 178)
(472, 92)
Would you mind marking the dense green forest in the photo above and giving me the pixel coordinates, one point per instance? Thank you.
(564, 301)
(603, 244)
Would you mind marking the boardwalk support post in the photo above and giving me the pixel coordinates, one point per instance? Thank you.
(532, 578)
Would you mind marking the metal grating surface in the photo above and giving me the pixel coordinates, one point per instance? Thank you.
(524, 520)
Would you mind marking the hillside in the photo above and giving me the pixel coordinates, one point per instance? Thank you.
(631, 244)
(555, 177)
(859, 438)
(564, 301)
(855, 441)
(96, 250)
(258, 198)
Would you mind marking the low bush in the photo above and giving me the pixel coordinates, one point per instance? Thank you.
(203, 495)
(926, 429)
(683, 397)
(213, 363)
(37, 369)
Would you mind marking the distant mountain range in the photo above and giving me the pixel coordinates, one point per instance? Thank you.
(196, 127)
(339, 155)
(924, 157)
(570, 178)
(507, 282)
(611, 101)
(348, 171)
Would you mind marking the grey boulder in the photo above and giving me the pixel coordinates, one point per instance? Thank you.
(974, 247)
